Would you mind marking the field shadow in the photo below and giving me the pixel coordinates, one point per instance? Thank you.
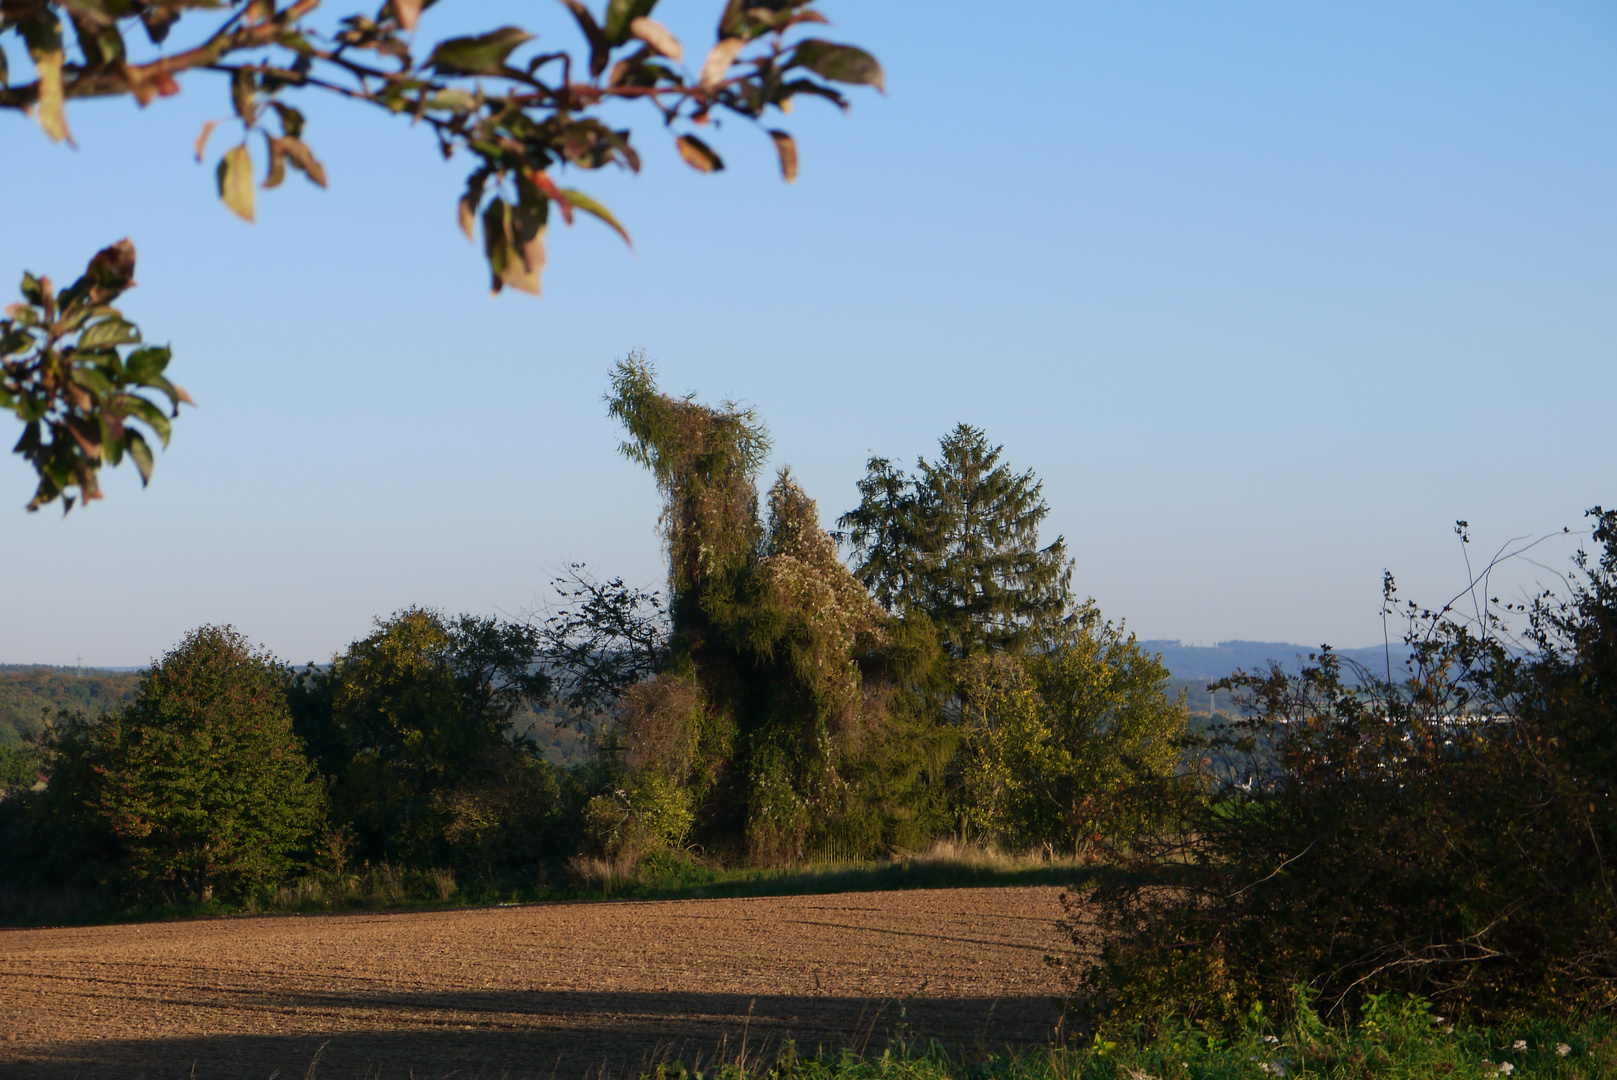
(533, 1035)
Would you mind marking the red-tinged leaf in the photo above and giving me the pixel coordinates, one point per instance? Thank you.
(545, 184)
(786, 147)
(408, 12)
(658, 36)
(277, 161)
(236, 181)
(202, 139)
(303, 159)
(718, 62)
(698, 154)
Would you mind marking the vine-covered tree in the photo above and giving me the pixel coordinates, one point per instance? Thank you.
(958, 542)
(523, 115)
(786, 685)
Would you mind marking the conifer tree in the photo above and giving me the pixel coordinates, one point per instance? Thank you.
(958, 542)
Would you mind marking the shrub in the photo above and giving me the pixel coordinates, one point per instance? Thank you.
(1058, 740)
(1449, 835)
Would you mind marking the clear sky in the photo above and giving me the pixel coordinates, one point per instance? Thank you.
(1269, 294)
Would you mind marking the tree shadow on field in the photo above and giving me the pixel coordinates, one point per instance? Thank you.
(513, 1035)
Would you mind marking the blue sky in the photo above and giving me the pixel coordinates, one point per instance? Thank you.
(1268, 295)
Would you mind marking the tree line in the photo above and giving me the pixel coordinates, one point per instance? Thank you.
(773, 707)
(1349, 833)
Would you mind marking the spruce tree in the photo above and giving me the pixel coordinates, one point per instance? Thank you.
(958, 542)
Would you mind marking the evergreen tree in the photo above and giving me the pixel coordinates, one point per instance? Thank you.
(958, 542)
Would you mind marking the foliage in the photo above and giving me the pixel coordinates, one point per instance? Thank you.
(786, 659)
(606, 637)
(30, 696)
(413, 726)
(69, 372)
(1395, 1038)
(200, 782)
(1448, 834)
(518, 114)
(523, 116)
(958, 541)
(1059, 741)
(19, 769)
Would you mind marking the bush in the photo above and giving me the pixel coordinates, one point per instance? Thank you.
(1448, 835)
(1059, 740)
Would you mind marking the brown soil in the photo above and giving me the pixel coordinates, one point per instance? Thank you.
(559, 990)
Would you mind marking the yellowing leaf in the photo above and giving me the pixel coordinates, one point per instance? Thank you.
(658, 36)
(583, 202)
(698, 154)
(718, 62)
(236, 181)
(51, 117)
(786, 146)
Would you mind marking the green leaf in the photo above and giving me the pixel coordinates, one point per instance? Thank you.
(141, 453)
(144, 365)
(452, 100)
(236, 181)
(109, 332)
(291, 120)
(698, 154)
(600, 48)
(157, 21)
(583, 202)
(481, 55)
(839, 63)
(92, 379)
(620, 14)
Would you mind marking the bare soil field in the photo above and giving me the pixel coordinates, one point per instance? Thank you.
(564, 990)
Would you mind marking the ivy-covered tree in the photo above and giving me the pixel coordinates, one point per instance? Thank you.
(201, 780)
(958, 541)
(524, 115)
(793, 682)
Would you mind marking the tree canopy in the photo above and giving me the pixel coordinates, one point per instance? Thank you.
(958, 542)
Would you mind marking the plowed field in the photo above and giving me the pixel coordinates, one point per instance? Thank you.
(562, 990)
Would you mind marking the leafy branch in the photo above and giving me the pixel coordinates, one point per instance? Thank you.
(521, 118)
(69, 371)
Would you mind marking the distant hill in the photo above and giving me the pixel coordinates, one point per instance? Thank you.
(31, 692)
(1194, 666)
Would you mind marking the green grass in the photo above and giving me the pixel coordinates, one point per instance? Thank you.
(1398, 1039)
